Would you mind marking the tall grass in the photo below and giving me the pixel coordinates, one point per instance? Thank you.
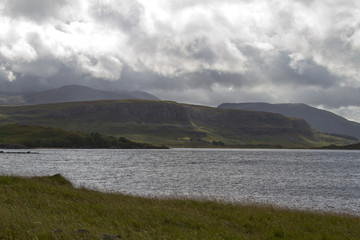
(50, 208)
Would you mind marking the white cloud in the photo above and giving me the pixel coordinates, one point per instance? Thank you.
(19, 51)
(351, 113)
(6, 74)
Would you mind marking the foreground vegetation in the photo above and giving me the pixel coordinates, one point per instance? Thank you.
(50, 208)
(29, 136)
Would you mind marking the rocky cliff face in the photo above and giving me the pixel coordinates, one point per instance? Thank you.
(252, 123)
(140, 112)
(164, 120)
(156, 112)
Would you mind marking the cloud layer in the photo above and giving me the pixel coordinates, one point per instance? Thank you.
(205, 52)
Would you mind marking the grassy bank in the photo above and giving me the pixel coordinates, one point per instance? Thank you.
(32, 136)
(50, 208)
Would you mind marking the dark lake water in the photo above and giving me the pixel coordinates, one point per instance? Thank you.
(303, 179)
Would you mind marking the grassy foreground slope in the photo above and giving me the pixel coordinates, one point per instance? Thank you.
(173, 124)
(50, 208)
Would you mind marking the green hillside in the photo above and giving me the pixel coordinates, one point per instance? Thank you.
(173, 124)
(26, 136)
(355, 146)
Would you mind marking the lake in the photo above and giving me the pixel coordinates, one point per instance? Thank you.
(303, 179)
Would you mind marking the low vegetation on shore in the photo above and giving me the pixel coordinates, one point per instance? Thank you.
(30, 136)
(50, 208)
(355, 146)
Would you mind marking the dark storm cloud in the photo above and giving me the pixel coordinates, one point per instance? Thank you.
(306, 72)
(36, 10)
(334, 97)
(124, 14)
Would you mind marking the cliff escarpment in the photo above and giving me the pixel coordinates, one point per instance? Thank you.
(171, 123)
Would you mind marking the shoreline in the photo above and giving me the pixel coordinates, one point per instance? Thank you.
(27, 152)
(51, 208)
(215, 148)
(242, 203)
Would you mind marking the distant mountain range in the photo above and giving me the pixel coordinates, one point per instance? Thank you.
(72, 93)
(141, 117)
(321, 120)
(172, 124)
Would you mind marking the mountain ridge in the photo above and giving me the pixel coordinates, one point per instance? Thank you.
(319, 119)
(172, 124)
(72, 93)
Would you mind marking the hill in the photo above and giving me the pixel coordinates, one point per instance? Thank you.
(26, 136)
(355, 146)
(172, 124)
(321, 120)
(72, 93)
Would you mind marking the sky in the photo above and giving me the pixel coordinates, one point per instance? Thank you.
(193, 51)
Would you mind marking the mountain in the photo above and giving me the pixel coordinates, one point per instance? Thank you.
(72, 93)
(172, 124)
(321, 120)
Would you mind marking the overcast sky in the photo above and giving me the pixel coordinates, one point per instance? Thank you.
(194, 51)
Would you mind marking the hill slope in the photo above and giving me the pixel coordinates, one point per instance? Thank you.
(22, 136)
(321, 120)
(171, 124)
